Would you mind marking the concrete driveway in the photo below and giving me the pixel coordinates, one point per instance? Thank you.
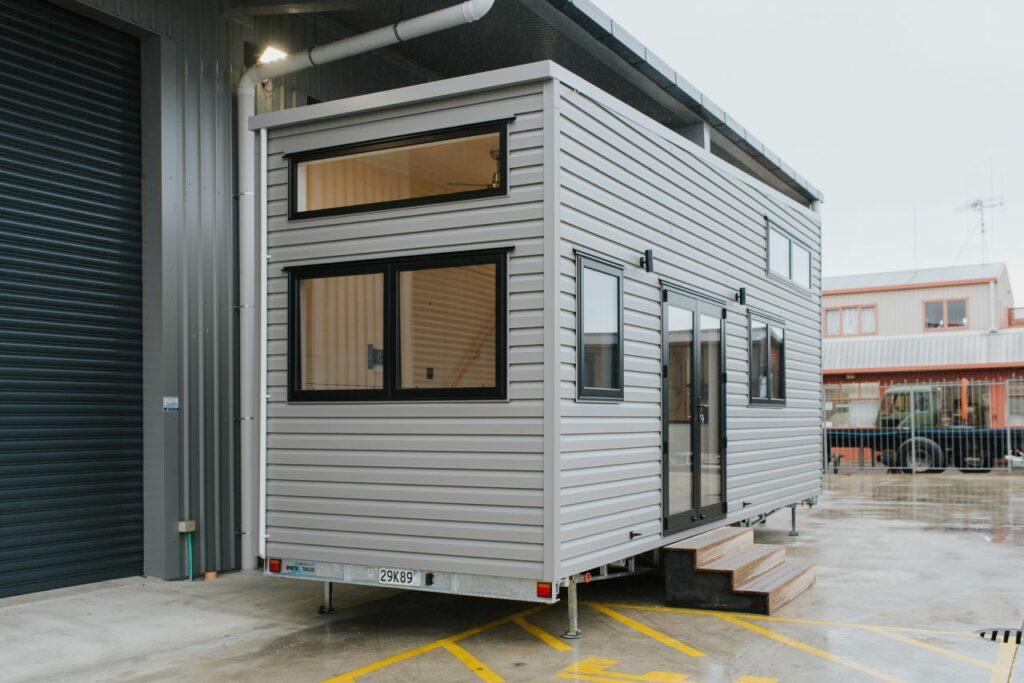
(909, 567)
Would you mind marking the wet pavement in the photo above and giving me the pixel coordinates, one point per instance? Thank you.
(908, 568)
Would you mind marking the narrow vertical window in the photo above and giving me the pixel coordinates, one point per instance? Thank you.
(767, 362)
(446, 327)
(850, 321)
(801, 266)
(778, 253)
(832, 324)
(342, 332)
(758, 359)
(599, 330)
(776, 362)
(868, 322)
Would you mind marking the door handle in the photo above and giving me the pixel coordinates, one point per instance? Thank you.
(705, 413)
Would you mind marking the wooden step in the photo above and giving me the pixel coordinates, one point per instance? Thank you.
(748, 563)
(781, 583)
(711, 545)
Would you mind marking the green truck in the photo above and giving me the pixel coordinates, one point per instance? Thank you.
(928, 428)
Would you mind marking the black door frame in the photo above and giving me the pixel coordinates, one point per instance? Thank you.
(697, 515)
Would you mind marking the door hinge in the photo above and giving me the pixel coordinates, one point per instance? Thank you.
(664, 370)
(664, 295)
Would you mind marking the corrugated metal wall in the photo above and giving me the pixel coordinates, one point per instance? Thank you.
(198, 143)
(70, 301)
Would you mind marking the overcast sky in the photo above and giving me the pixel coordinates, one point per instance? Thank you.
(886, 106)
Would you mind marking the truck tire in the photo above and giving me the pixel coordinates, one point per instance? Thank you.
(921, 456)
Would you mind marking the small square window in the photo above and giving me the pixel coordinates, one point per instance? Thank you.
(934, 315)
(956, 312)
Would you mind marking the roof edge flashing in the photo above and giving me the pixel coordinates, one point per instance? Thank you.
(611, 34)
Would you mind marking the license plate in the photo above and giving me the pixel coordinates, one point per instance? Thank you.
(398, 577)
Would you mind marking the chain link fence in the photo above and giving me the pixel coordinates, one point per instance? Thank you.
(924, 427)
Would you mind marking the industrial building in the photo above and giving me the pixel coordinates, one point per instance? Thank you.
(935, 325)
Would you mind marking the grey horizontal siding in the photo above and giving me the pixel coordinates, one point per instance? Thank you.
(626, 185)
(444, 486)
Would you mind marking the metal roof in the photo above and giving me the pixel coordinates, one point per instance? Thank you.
(903, 278)
(578, 36)
(935, 349)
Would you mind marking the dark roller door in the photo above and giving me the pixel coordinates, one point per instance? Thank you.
(70, 301)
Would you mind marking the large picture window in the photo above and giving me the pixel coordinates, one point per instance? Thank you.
(767, 362)
(414, 328)
(599, 354)
(449, 165)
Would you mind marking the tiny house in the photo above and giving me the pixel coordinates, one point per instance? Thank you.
(514, 330)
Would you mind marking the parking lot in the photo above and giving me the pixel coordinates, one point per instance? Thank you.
(909, 568)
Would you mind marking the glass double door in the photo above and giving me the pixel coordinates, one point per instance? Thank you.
(693, 406)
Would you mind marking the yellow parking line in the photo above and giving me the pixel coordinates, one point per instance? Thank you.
(646, 630)
(472, 663)
(350, 676)
(849, 663)
(932, 648)
(541, 634)
(1003, 668)
(790, 620)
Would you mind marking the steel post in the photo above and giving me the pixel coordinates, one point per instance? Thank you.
(573, 632)
(328, 606)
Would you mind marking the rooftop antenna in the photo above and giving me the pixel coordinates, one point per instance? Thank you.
(980, 205)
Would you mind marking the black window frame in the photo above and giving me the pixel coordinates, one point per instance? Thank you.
(294, 159)
(391, 270)
(584, 261)
(769, 323)
(793, 242)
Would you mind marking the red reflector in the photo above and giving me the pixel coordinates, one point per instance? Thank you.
(543, 589)
(274, 565)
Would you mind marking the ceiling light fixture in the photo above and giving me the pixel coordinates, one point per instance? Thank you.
(271, 54)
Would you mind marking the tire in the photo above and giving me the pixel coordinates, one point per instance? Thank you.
(921, 456)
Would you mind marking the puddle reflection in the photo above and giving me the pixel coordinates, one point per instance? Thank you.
(991, 504)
